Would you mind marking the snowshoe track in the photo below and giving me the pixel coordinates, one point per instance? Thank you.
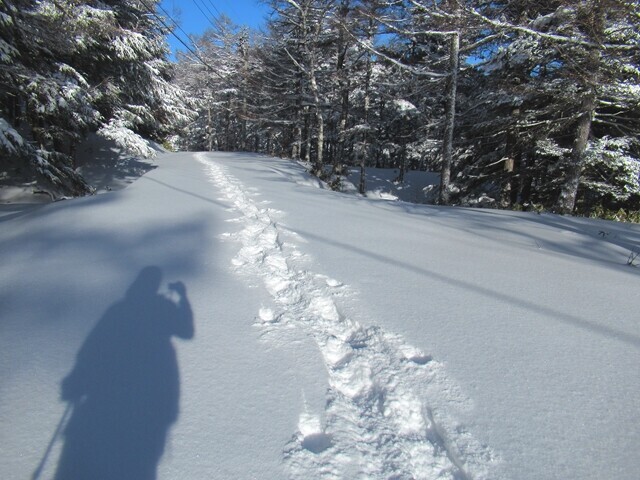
(378, 420)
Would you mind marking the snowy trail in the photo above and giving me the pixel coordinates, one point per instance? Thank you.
(294, 371)
(379, 421)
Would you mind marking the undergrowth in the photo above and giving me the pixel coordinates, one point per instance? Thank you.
(620, 215)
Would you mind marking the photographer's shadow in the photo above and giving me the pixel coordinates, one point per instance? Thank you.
(125, 385)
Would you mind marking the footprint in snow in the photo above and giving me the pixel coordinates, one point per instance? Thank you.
(378, 386)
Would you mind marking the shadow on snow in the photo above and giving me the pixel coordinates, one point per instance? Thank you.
(124, 388)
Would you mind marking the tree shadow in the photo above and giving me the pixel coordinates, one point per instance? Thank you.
(507, 298)
(125, 386)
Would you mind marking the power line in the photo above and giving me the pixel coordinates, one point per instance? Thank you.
(210, 2)
(229, 4)
(172, 21)
(170, 30)
(209, 10)
(215, 25)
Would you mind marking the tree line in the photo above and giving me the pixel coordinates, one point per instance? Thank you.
(517, 104)
(71, 67)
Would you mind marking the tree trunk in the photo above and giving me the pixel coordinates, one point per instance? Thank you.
(403, 163)
(511, 163)
(313, 85)
(591, 68)
(243, 126)
(339, 157)
(307, 146)
(343, 87)
(228, 142)
(568, 194)
(297, 143)
(296, 151)
(243, 141)
(450, 118)
(365, 135)
(320, 144)
(209, 130)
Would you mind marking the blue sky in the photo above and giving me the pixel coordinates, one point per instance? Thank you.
(190, 17)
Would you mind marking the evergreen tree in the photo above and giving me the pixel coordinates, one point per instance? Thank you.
(514, 102)
(45, 103)
(70, 67)
(564, 86)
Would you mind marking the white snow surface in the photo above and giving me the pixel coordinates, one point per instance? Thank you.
(335, 336)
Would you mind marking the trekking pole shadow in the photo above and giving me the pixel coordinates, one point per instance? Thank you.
(61, 425)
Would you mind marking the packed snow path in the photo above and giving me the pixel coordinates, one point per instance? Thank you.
(378, 422)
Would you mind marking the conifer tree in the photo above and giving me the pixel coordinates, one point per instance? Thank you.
(71, 67)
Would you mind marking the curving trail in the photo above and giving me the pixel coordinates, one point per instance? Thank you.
(378, 420)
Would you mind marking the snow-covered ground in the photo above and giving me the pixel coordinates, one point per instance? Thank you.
(335, 336)
(101, 162)
(383, 184)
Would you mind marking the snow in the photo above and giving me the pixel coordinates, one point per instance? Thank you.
(105, 165)
(335, 336)
(9, 138)
(108, 166)
(119, 130)
(382, 184)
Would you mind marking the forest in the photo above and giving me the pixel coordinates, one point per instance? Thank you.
(516, 104)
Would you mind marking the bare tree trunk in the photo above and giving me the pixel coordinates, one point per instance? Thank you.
(245, 107)
(296, 150)
(227, 122)
(209, 130)
(450, 118)
(313, 85)
(362, 185)
(320, 142)
(365, 135)
(403, 162)
(511, 164)
(307, 149)
(270, 148)
(297, 143)
(568, 194)
(339, 157)
(344, 84)
(243, 126)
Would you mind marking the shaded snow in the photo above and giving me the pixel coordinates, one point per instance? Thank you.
(107, 166)
(382, 184)
(103, 164)
(335, 336)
